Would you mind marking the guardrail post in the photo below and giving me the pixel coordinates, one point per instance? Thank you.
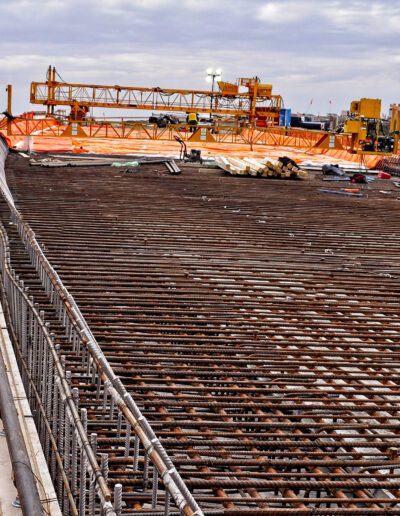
(83, 471)
(118, 499)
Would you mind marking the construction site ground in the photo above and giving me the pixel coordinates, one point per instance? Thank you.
(255, 322)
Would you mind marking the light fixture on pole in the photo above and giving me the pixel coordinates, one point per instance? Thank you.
(212, 76)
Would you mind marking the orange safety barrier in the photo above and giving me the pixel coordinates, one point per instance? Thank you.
(164, 147)
(370, 160)
(45, 135)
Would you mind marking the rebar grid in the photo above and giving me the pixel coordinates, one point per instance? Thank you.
(165, 483)
(256, 325)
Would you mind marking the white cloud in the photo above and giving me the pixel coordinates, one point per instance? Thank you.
(118, 7)
(22, 8)
(283, 12)
(364, 17)
(338, 15)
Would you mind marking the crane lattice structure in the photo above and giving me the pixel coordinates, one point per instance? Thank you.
(257, 102)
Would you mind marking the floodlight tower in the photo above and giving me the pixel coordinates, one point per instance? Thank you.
(213, 76)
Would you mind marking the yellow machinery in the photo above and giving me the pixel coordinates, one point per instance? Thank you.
(364, 124)
(395, 118)
(395, 124)
(257, 103)
(366, 108)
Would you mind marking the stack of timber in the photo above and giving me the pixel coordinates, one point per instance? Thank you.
(282, 168)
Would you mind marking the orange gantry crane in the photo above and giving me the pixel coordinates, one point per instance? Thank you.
(256, 103)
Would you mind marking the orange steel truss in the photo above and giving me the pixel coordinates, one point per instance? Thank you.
(256, 102)
(273, 136)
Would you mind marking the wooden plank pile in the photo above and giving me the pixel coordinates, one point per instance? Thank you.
(281, 168)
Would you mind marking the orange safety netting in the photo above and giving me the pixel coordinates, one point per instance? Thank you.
(370, 160)
(160, 147)
(45, 136)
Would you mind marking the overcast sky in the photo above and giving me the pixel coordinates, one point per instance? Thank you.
(310, 50)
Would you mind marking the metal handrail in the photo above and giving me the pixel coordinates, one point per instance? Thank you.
(24, 477)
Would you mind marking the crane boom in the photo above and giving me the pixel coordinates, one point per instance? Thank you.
(258, 101)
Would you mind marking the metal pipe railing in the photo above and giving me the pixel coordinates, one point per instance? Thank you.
(24, 476)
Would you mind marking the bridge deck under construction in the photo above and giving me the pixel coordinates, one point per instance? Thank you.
(255, 323)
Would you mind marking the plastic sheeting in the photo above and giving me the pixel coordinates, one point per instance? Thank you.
(169, 148)
(47, 139)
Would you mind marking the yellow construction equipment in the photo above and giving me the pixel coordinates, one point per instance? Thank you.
(365, 127)
(395, 125)
(366, 108)
(257, 103)
(364, 124)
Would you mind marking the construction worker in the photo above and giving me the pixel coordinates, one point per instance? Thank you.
(192, 120)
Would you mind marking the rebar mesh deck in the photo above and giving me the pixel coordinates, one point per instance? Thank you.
(255, 322)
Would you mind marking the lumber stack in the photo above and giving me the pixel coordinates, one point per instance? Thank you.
(260, 168)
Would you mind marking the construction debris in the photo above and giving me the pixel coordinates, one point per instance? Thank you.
(332, 170)
(55, 163)
(98, 162)
(317, 165)
(384, 175)
(125, 164)
(342, 192)
(351, 190)
(172, 167)
(130, 170)
(283, 168)
(336, 179)
(359, 178)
